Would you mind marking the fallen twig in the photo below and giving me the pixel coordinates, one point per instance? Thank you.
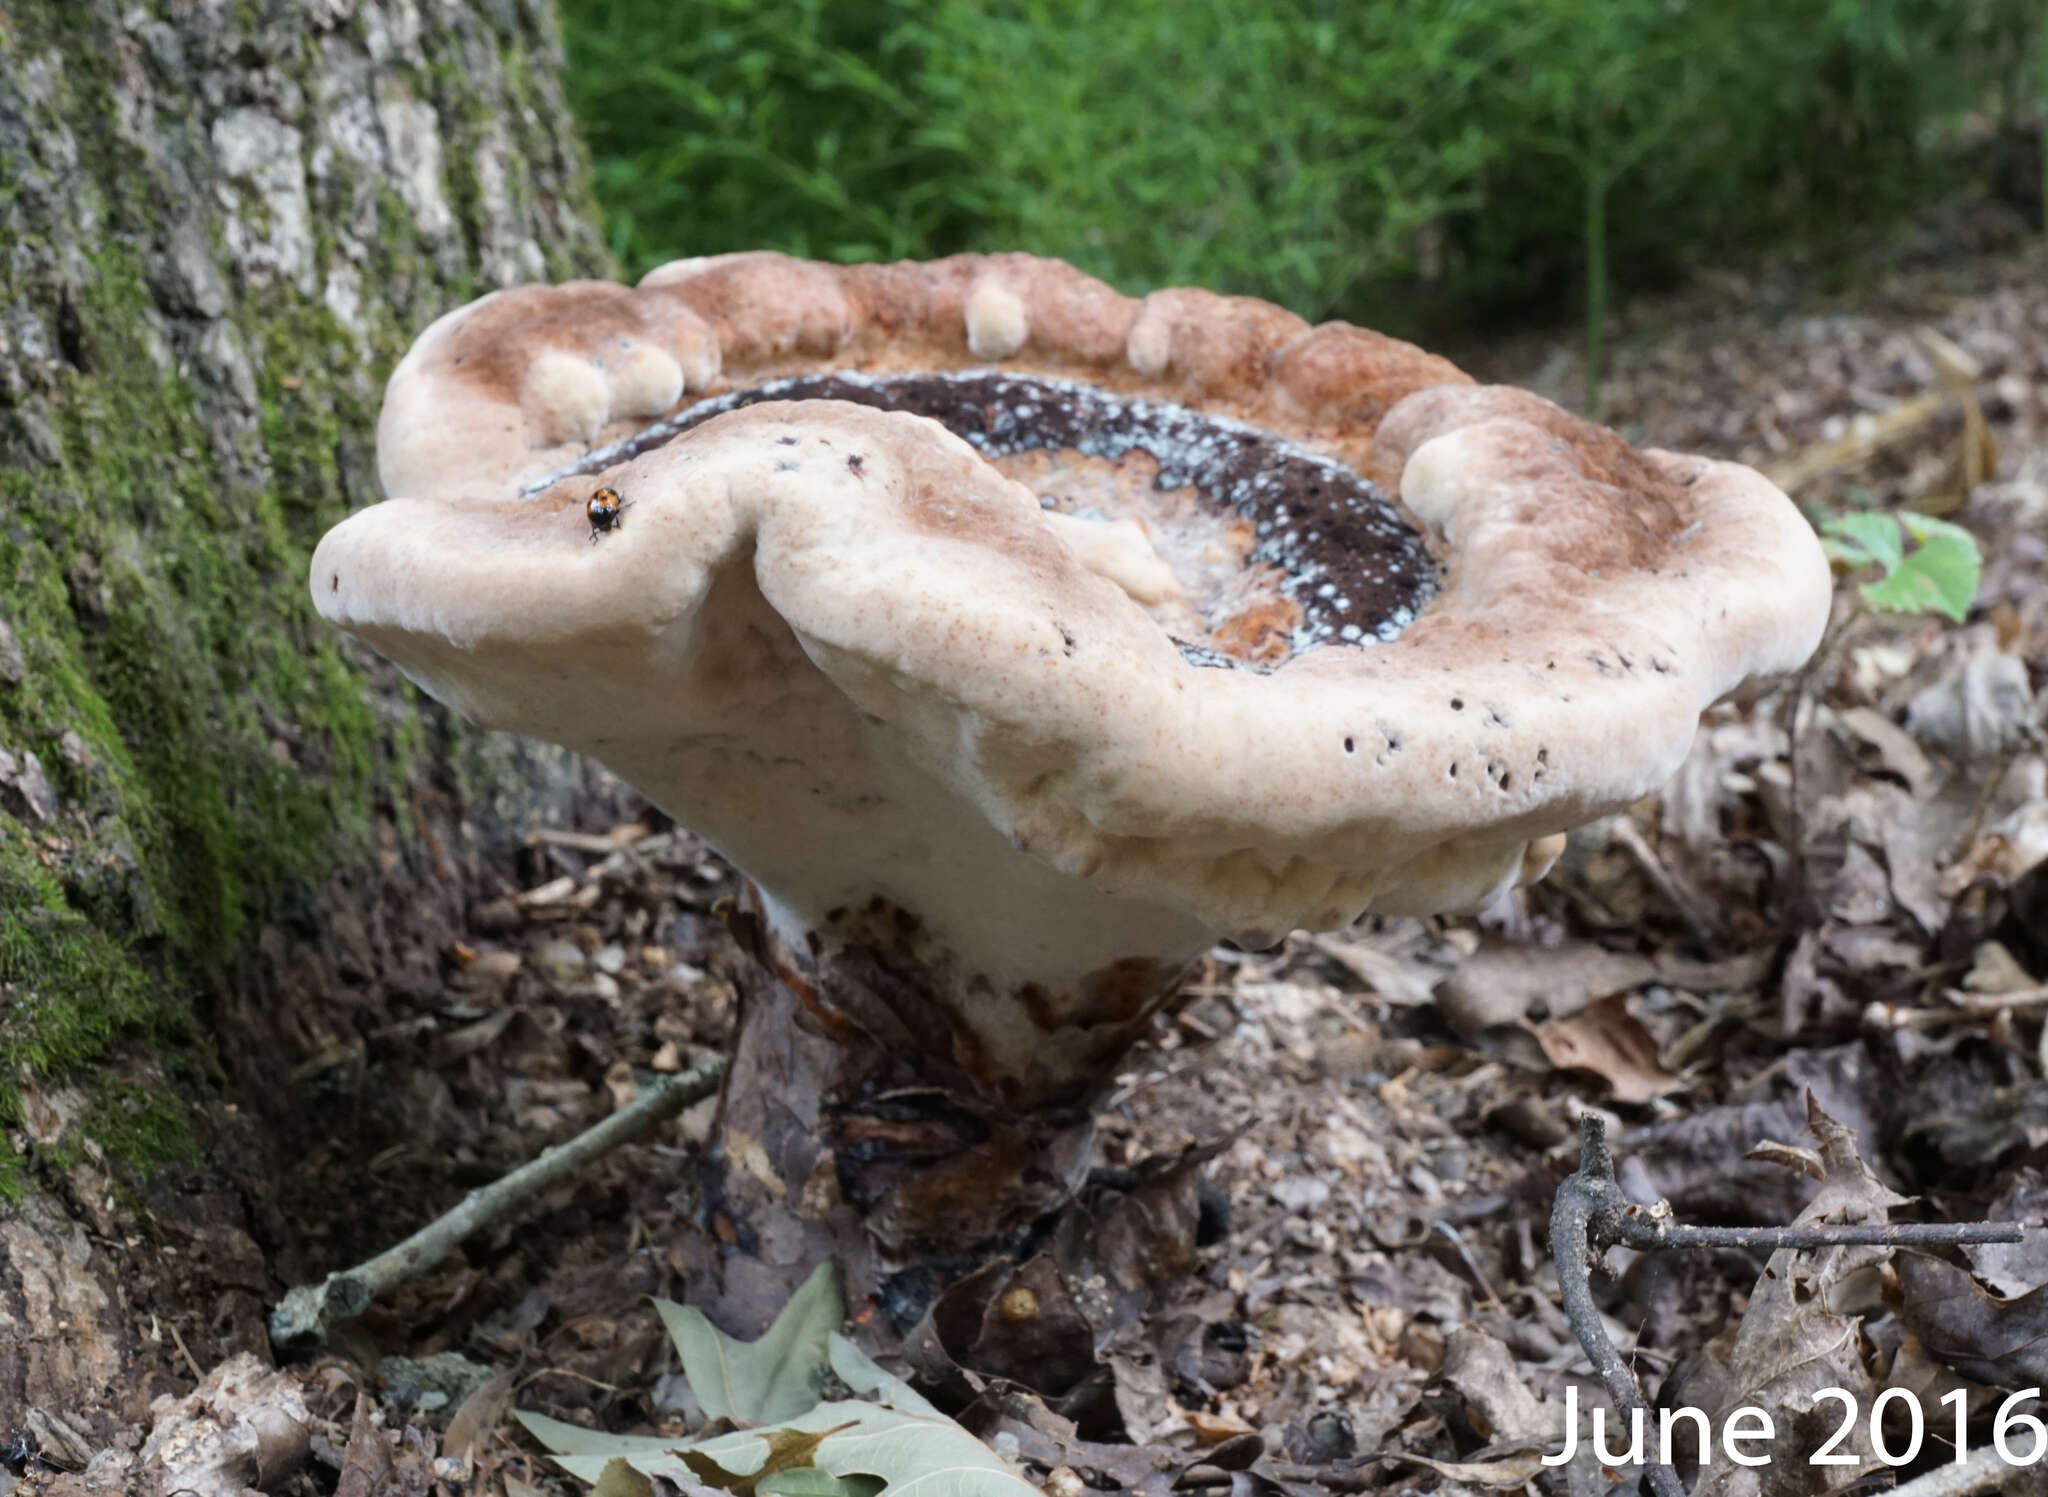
(1795, 817)
(1643, 1230)
(306, 1311)
(1625, 835)
(1591, 1215)
(1987, 1468)
(1477, 1274)
(1965, 1007)
(1585, 1221)
(184, 1351)
(1873, 432)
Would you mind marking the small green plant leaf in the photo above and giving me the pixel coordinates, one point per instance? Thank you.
(1940, 572)
(764, 1381)
(1947, 557)
(1862, 537)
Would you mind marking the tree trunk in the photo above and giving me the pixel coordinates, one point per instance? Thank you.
(220, 826)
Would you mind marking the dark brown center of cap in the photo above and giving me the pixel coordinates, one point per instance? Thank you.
(1351, 566)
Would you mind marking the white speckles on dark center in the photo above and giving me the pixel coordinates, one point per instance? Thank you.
(1347, 559)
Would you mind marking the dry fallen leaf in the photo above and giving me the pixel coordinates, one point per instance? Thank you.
(788, 1450)
(2016, 1268)
(1791, 1157)
(1981, 709)
(1696, 1161)
(1509, 1471)
(1897, 750)
(1607, 1040)
(1214, 1429)
(1796, 1337)
(475, 1419)
(245, 1423)
(2004, 853)
(366, 1461)
(621, 1480)
(1505, 982)
(2002, 1342)
(1498, 1404)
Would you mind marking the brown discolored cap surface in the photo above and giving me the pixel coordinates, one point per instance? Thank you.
(1085, 627)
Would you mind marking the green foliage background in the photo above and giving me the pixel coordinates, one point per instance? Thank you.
(1402, 162)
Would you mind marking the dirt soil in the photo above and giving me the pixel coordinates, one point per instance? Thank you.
(1369, 1303)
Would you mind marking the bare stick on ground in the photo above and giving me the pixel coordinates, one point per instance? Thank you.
(1591, 1215)
(306, 1311)
(1585, 1221)
(1982, 1472)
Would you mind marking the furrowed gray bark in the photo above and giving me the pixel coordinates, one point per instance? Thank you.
(220, 224)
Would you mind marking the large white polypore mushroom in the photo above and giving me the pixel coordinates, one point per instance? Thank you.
(1018, 639)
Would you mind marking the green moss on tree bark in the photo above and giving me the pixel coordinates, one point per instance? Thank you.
(219, 226)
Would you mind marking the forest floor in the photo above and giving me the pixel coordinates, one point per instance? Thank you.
(1391, 1109)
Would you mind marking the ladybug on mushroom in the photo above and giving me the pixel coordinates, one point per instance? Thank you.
(603, 509)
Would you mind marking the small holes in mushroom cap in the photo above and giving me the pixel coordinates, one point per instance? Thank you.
(1457, 704)
(1350, 745)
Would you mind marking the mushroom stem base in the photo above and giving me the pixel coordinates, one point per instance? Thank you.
(847, 1129)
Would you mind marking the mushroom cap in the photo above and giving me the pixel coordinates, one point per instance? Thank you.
(867, 662)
